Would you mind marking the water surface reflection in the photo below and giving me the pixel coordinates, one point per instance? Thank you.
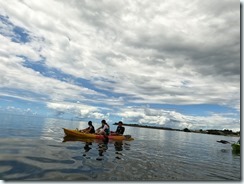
(101, 146)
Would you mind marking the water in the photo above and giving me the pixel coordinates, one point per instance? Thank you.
(33, 149)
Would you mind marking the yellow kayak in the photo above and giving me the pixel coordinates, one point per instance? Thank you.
(76, 133)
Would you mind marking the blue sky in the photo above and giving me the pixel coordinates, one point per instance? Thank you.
(165, 63)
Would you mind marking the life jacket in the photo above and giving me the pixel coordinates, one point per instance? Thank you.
(107, 130)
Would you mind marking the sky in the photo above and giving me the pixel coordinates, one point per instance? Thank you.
(166, 63)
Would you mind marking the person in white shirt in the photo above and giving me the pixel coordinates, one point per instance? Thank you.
(104, 129)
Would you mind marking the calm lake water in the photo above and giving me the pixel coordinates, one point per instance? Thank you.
(33, 149)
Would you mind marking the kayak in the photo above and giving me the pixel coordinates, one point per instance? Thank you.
(235, 146)
(76, 133)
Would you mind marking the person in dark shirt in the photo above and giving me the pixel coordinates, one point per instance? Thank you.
(90, 129)
(120, 129)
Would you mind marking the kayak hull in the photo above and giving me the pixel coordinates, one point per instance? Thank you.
(76, 133)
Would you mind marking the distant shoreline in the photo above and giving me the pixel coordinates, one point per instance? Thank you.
(210, 131)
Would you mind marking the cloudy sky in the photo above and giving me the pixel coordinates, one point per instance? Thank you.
(164, 62)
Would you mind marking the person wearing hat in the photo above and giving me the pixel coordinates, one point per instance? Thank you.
(90, 129)
(120, 129)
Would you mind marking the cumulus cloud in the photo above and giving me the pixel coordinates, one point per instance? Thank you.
(78, 110)
(173, 119)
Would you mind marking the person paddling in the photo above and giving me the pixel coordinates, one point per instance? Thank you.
(104, 129)
(90, 129)
(120, 129)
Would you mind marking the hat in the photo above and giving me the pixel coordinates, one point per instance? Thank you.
(89, 122)
(120, 122)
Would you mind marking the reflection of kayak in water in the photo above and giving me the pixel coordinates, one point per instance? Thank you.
(87, 140)
(80, 139)
(235, 146)
(76, 133)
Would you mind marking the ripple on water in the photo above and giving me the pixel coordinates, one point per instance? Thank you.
(18, 170)
(48, 160)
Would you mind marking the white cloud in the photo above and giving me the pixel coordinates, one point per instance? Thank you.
(16, 76)
(173, 119)
(79, 110)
